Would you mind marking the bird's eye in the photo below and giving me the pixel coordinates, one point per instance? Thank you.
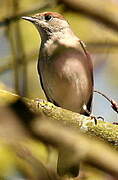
(48, 17)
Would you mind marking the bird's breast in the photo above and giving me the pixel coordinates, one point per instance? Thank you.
(67, 80)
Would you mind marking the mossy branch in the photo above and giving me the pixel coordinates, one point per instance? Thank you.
(104, 130)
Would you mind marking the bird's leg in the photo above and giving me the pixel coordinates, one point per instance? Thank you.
(92, 116)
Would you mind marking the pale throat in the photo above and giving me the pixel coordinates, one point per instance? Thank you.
(65, 37)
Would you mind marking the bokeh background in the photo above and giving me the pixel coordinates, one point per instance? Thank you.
(20, 42)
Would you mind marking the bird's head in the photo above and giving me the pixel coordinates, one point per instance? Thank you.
(48, 23)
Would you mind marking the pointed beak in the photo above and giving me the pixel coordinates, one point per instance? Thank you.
(28, 18)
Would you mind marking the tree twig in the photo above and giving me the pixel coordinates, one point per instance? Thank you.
(114, 104)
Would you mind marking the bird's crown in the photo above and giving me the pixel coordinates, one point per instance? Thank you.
(49, 15)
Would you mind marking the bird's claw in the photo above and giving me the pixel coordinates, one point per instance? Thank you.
(96, 118)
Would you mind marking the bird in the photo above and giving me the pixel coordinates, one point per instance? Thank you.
(66, 76)
(68, 80)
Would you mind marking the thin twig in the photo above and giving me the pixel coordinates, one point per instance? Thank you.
(114, 104)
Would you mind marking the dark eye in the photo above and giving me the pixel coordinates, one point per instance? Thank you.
(48, 17)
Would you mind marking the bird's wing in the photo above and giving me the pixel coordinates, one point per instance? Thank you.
(43, 88)
(89, 61)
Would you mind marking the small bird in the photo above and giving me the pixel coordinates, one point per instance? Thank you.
(67, 79)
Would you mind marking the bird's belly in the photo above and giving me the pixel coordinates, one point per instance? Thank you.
(68, 86)
(67, 96)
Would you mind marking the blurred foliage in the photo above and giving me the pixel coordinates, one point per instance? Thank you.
(100, 41)
(22, 155)
(17, 157)
(24, 5)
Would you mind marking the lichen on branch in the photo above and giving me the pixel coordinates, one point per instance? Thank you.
(104, 130)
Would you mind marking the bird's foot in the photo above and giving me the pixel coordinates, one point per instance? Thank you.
(115, 123)
(96, 118)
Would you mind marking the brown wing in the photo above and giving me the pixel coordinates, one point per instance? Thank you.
(89, 61)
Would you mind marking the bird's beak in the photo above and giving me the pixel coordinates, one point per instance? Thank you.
(28, 18)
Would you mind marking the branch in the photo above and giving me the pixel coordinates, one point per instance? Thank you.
(104, 130)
